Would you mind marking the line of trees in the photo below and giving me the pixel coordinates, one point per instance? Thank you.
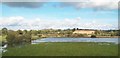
(19, 37)
(107, 32)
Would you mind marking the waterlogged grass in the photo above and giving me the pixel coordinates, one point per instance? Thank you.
(64, 49)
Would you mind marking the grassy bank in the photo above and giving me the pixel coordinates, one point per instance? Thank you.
(64, 49)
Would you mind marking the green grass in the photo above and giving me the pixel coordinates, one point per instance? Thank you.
(64, 49)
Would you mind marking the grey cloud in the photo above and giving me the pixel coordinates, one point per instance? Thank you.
(24, 4)
(24, 0)
(94, 4)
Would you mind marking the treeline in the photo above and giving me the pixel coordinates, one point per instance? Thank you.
(107, 33)
(69, 33)
(22, 37)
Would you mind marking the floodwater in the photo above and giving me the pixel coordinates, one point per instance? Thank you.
(110, 40)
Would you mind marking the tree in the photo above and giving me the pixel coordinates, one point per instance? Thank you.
(39, 31)
(27, 38)
(73, 29)
(20, 31)
(11, 38)
(23, 37)
(25, 31)
(34, 32)
(4, 31)
(97, 32)
(112, 33)
(18, 38)
(118, 32)
(77, 28)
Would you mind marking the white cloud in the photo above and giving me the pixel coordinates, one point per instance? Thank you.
(19, 22)
(11, 20)
(95, 4)
(98, 25)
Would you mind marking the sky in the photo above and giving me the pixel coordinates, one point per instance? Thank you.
(95, 14)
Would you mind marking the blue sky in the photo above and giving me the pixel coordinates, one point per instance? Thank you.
(53, 11)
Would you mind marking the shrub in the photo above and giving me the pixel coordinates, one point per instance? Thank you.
(93, 36)
(18, 38)
(79, 35)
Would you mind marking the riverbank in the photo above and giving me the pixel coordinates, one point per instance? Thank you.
(108, 36)
(88, 37)
(64, 49)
